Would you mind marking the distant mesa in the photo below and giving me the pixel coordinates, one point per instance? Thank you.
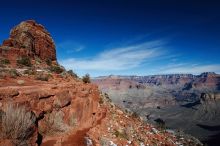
(206, 74)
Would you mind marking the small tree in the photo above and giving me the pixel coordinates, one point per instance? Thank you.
(86, 79)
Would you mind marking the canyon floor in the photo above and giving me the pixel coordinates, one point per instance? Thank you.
(180, 103)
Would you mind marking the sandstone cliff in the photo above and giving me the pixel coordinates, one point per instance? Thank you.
(28, 39)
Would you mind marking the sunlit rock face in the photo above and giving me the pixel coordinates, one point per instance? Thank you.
(28, 39)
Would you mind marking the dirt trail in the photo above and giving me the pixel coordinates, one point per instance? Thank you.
(77, 139)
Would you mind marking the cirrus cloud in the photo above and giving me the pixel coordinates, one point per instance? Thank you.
(116, 59)
(70, 46)
(152, 57)
(190, 68)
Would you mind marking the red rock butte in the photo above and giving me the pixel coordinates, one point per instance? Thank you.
(29, 39)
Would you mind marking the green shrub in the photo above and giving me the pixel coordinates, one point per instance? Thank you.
(37, 60)
(160, 124)
(30, 72)
(5, 61)
(101, 101)
(24, 61)
(57, 69)
(86, 79)
(23, 46)
(13, 73)
(63, 74)
(74, 75)
(135, 115)
(49, 62)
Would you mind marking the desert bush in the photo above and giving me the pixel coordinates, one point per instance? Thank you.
(128, 111)
(101, 100)
(17, 123)
(23, 46)
(54, 123)
(56, 69)
(135, 115)
(86, 78)
(106, 96)
(160, 124)
(37, 60)
(49, 62)
(73, 74)
(64, 74)
(5, 61)
(30, 72)
(42, 77)
(121, 134)
(25, 61)
(13, 73)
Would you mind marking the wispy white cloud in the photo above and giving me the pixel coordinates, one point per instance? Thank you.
(117, 59)
(190, 68)
(152, 57)
(79, 48)
(70, 46)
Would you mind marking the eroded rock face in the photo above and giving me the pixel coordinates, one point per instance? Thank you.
(182, 87)
(29, 39)
(61, 108)
(207, 97)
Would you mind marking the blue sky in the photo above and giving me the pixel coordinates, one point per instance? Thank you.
(125, 37)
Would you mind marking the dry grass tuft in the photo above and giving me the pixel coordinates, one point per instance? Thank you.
(54, 124)
(16, 123)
